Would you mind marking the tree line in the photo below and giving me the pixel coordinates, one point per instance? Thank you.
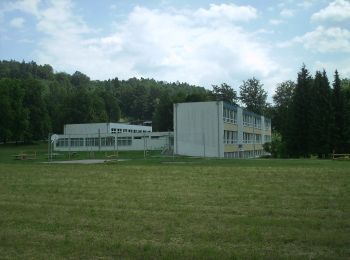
(311, 116)
(308, 116)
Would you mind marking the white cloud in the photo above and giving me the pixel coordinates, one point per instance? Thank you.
(324, 40)
(306, 4)
(276, 21)
(287, 13)
(342, 66)
(229, 12)
(338, 10)
(204, 47)
(28, 6)
(17, 22)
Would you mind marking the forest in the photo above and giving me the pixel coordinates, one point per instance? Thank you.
(309, 117)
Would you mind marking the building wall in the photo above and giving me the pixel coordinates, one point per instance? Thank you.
(198, 129)
(102, 128)
(112, 142)
(217, 129)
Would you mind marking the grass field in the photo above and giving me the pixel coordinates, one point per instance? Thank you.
(181, 208)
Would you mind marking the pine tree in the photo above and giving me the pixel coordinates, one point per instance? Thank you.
(338, 106)
(299, 145)
(322, 116)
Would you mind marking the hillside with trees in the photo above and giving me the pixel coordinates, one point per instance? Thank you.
(309, 117)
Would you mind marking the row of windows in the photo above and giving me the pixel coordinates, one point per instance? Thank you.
(230, 137)
(230, 116)
(93, 141)
(249, 138)
(244, 154)
(119, 131)
(250, 120)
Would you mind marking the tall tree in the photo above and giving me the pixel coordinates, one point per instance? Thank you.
(338, 106)
(345, 85)
(299, 145)
(253, 96)
(321, 116)
(39, 122)
(225, 93)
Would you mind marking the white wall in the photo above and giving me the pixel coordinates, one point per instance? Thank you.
(95, 128)
(198, 129)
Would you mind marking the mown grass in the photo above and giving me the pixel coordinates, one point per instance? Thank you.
(175, 208)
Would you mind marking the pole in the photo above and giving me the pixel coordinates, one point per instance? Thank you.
(48, 148)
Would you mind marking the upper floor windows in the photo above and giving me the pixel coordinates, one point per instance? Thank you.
(251, 120)
(230, 116)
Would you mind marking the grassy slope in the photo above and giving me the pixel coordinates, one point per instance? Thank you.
(202, 209)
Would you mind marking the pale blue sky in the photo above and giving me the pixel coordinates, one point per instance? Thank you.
(199, 42)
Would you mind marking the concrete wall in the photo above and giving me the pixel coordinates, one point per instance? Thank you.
(139, 141)
(95, 128)
(198, 129)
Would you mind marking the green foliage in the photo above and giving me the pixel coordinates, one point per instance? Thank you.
(253, 96)
(321, 116)
(300, 126)
(277, 146)
(46, 101)
(225, 93)
(312, 118)
(14, 115)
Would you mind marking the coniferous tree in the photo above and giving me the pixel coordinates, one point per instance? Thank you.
(321, 116)
(345, 85)
(338, 124)
(299, 145)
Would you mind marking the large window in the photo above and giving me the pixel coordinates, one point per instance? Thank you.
(124, 141)
(92, 141)
(247, 119)
(230, 137)
(257, 122)
(62, 142)
(76, 142)
(107, 141)
(230, 116)
(248, 138)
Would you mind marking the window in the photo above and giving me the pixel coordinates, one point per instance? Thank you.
(62, 142)
(247, 120)
(257, 122)
(113, 130)
(76, 142)
(92, 141)
(119, 130)
(230, 116)
(247, 138)
(107, 141)
(258, 139)
(124, 141)
(125, 130)
(230, 137)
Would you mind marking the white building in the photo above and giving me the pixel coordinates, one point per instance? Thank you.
(110, 137)
(219, 129)
(109, 128)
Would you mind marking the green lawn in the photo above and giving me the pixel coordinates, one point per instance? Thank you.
(174, 208)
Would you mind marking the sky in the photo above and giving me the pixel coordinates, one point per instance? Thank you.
(200, 42)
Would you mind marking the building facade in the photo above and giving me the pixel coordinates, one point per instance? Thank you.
(110, 137)
(219, 129)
